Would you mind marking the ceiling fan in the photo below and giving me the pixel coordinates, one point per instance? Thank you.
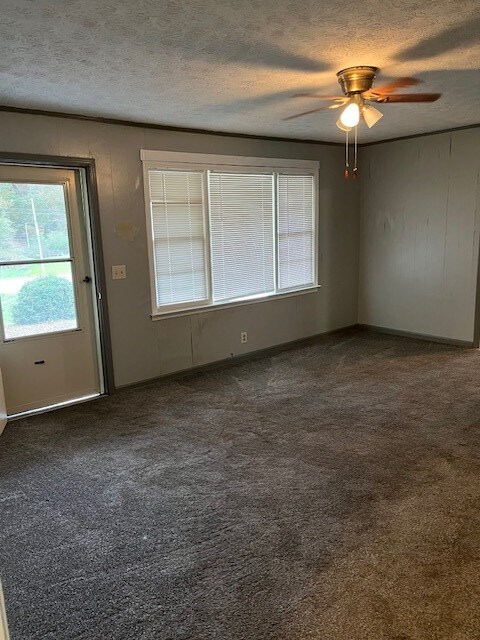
(357, 86)
(357, 83)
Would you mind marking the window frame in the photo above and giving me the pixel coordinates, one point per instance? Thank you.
(70, 259)
(315, 236)
(180, 306)
(178, 161)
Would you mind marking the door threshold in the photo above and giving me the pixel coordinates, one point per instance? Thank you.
(52, 407)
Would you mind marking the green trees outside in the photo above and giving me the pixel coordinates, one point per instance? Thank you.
(33, 227)
(33, 222)
(6, 229)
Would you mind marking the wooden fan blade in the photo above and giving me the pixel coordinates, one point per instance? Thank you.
(306, 113)
(409, 97)
(318, 95)
(391, 87)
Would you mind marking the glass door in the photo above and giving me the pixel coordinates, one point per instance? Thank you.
(49, 330)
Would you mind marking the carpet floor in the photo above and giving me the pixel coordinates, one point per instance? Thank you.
(329, 492)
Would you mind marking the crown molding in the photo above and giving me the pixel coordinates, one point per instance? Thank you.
(420, 135)
(212, 132)
(160, 127)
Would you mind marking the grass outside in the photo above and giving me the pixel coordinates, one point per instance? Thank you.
(32, 270)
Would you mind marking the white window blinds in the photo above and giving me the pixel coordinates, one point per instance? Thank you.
(226, 232)
(241, 235)
(178, 230)
(296, 231)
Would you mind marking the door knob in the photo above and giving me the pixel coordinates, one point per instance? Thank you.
(87, 279)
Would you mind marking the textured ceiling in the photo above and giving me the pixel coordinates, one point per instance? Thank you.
(232, 65)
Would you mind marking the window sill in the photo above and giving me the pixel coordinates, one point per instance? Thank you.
(230, 305)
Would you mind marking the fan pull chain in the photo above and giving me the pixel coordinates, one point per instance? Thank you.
(355, 168)
(346, 156)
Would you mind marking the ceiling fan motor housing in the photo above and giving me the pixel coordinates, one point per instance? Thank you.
(356, 79)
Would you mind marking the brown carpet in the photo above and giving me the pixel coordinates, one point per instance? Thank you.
(330, 492)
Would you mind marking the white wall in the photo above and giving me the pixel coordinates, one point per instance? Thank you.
(420, 217)
(143, 349)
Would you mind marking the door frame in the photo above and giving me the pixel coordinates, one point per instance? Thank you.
(476, 318)
(88, 176)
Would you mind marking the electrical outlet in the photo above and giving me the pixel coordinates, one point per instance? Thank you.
(243, 337)
(119, 272)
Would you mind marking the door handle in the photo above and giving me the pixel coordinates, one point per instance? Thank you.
(87, 279)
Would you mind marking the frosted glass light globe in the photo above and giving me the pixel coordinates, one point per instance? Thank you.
(351, 115)
(371, 115)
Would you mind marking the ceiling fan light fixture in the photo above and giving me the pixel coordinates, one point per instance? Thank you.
(371, 115)
(350, 115)
(358, 92)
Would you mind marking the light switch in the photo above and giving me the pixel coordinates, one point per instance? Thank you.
(119, 272)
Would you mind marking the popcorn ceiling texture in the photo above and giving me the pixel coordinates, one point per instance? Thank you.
(233, 65)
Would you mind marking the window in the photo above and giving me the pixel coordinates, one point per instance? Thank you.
(295, 232)
(37, 292)
(222, 233)
(241, 234)
(178, 228)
